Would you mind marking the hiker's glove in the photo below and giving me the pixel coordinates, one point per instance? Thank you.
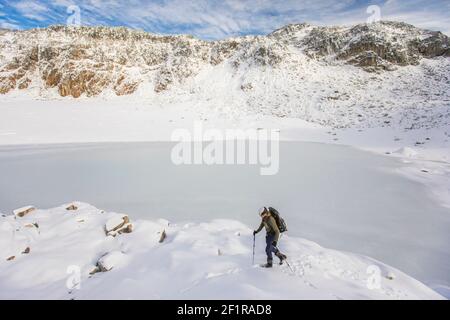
(274, 243)
(254, 232)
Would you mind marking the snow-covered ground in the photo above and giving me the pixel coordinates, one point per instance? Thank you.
(423, 156)
(60, 254)
(66, 120)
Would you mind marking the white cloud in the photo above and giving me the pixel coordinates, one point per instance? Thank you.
(8, 25)
(35, 17)
(223, 18)
(230, 17)
(429, 15)
(27, 6)
(31, 9)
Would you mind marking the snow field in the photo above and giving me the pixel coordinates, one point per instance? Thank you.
(197, 260)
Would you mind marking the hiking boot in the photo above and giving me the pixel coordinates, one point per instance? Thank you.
(269, 264)
(281, 256)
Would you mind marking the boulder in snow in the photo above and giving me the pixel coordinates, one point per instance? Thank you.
(128, 228)
(22, 212)
(26, 251)
(10, 258)
(163, 236)
(117, 223)
(95, 270)
(72, 207)
(110, 260)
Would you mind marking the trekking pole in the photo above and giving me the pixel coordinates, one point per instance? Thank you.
(286, 262)
(289, 266)
(253, 260)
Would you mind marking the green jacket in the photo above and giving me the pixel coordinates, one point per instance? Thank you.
(271, 227)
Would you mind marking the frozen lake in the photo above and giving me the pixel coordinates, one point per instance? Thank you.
(338, 196)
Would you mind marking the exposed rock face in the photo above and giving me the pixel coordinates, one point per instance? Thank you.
(125, 86)
(7, 84)
(388, 42)
(317, 74)
(436, 45)
(91, 60)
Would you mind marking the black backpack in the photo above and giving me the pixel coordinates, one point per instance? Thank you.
(278, 219)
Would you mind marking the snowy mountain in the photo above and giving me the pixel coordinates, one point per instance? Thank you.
(367, 75)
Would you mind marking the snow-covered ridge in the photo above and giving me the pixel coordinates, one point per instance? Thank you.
(383, 44)
(378, 74)
(79, 252)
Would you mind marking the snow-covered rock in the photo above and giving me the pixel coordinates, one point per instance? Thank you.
(163, 236)
(118, 224)
(111, 260)
(21, 212)
(72, 207)
(202, 260)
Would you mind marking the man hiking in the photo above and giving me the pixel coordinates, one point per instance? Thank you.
(272, 236)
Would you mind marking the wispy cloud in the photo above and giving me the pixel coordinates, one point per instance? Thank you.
(29, 6)
(212, 19)
(10, 26)
(434, 15)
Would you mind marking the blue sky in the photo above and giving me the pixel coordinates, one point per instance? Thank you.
(217, 19)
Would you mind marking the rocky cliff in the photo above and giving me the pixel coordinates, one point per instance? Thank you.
(294, 71)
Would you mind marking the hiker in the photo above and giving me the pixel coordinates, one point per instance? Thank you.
(272, 236)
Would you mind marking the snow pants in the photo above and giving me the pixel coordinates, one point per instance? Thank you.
(270, 237)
